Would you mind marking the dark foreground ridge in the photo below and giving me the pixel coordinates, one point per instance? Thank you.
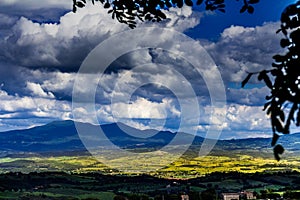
(60, 185)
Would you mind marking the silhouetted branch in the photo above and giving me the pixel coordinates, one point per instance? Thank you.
(285, 87)
(129, 11)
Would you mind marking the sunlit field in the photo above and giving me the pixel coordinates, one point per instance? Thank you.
(184, 167)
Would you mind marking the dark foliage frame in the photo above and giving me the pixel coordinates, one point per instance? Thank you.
(283, 80)
(130, 11)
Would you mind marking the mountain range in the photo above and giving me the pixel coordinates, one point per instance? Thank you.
(62, 136)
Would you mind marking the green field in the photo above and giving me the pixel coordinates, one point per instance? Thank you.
(183, 167)
(83, 177)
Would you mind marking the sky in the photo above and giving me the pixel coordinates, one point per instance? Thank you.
(44, 44)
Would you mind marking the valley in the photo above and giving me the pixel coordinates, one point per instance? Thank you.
(185, 167)
(50, 162)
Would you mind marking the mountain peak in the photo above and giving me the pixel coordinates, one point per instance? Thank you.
(63, 136)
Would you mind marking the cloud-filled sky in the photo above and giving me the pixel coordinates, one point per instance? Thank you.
(44, 44)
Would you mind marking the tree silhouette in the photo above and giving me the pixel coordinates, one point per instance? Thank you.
(283, 80)
(129, 11)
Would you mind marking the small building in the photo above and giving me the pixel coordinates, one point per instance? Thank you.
(231, 196)
(185, 197)
(248, 195)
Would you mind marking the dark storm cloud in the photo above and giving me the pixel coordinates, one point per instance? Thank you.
(51, 45)
(41, 15)
(64, 44)
(40, 57)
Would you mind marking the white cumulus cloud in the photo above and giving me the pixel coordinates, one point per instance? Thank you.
(64, 45)
(37, 90)
(242, 49)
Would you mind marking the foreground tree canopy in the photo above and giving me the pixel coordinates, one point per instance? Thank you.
(283, 102)
(129, 11)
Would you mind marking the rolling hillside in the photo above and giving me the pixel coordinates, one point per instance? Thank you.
(62, 136)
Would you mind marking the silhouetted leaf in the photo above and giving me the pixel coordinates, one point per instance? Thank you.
(290, 118)
(130, 18)
(281, 115)
(106, 5)
(276, 65)
(284, 31)
(199, 2)
(243, 9)
(250, 9)
(292, 9)
(269, 110)
(263, 76)
(278, 149)
(268, 81)
(279, 58)
(245, 81)
(80, 4)
(74, 9)
(267, 105)
(132, 26)
(253, 1)
(277, 124)
(298, 118)
(286, 130)
(148, 17)
(179, 3)
(274, 139)
(278, 31)
(275, 72)
(188, 2)
(284, 43)
(162, 15)
(168, 4)
(269, 97)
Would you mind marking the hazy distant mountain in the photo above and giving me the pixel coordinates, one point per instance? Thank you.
(62, 136)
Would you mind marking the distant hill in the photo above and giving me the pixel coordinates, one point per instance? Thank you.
(62, 136)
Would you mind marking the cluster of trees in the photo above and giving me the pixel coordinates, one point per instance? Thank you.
(211, 194)
(146, 187)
